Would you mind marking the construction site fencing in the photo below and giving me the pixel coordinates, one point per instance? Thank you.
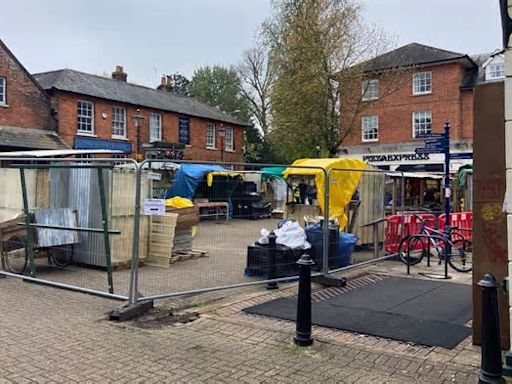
(69, 222)
(165, 228)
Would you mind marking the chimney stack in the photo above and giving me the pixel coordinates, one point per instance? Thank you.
(119, 74)
(165, 82)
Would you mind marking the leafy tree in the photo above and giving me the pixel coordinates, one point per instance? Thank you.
(220, 87)
(315, 49)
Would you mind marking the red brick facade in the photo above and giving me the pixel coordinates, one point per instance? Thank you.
(395, 109)
(66, 104)
(26, 104)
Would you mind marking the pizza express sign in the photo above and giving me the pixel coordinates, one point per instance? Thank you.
(396, 157)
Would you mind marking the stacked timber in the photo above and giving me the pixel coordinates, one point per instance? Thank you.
(172, 238)
(187, 218)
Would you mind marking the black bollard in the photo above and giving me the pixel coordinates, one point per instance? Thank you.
(490, 369)
(303, 326)
(272, 261)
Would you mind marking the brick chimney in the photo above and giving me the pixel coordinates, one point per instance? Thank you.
(119, 74)
(165, 82)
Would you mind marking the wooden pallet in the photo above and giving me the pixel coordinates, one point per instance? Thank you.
(187, 255)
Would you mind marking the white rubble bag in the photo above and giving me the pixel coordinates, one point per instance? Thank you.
(290, 234)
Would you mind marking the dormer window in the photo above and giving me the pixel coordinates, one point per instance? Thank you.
(496, 71)
(495, 68)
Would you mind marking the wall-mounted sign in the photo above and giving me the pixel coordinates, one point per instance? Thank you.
(88, 143)
(396, 157)
(184, 130)
(154, 207)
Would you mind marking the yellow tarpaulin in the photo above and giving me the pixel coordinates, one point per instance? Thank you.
(342, 183)
(209, 176)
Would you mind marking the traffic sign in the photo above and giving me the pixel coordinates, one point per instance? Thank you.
(430, 135)
(421, 151)
(440, 141)
(436, 146)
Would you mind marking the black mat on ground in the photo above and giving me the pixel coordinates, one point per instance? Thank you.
(419, 311)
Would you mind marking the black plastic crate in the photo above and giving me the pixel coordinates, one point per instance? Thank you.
(259, 261)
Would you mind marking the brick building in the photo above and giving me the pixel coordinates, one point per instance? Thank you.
(95, 112)
(26, 117)
(409, 92)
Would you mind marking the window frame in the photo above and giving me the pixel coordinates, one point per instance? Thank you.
(82, 131)
(363, 132)
(417, 74)
(3, 94)
(231, 142)
(125, 133)
(151, 127)
(490, 72)
(209, 144)
(365, 86)
(414, 134)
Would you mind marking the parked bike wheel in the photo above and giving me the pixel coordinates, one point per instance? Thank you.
(416, 248)
(15, 255)
(61, 256)
(461, 258)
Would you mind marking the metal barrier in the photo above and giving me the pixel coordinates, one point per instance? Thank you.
(123, 250)
(63, 223)
(204, 249)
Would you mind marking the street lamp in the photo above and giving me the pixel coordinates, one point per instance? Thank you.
(222, 134)
(138, 119)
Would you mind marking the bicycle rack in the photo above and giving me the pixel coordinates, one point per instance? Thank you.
(428, 237)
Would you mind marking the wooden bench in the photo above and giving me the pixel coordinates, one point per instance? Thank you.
(216, 209)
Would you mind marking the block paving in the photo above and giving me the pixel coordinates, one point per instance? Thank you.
(50, 335)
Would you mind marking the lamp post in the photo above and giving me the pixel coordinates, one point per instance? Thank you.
(222, 134)
(138, 119)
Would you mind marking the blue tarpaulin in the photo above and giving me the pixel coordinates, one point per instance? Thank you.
(188, 177)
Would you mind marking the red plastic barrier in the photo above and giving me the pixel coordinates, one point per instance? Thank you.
(463, 220)
(399, 226)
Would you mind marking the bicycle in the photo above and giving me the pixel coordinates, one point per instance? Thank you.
(413, 248)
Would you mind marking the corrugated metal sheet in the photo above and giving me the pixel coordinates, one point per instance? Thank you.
(47, 237)
(79, 189)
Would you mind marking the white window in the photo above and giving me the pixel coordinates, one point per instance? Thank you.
(422, 83)
(85, 117)
(210, 136)
(496, 71)
(119, 122)
(2, 91)
(421, 123)
(155, 127)
(370, 128)
(85, 158)
(229, 144)
(121, 158)
(370, 89)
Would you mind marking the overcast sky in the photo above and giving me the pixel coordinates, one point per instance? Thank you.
(153, 37)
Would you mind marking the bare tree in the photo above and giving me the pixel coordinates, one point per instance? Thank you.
(257, 77)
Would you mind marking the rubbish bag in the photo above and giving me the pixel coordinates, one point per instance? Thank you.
(346, 245)
(179, 202)
(290, 234)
